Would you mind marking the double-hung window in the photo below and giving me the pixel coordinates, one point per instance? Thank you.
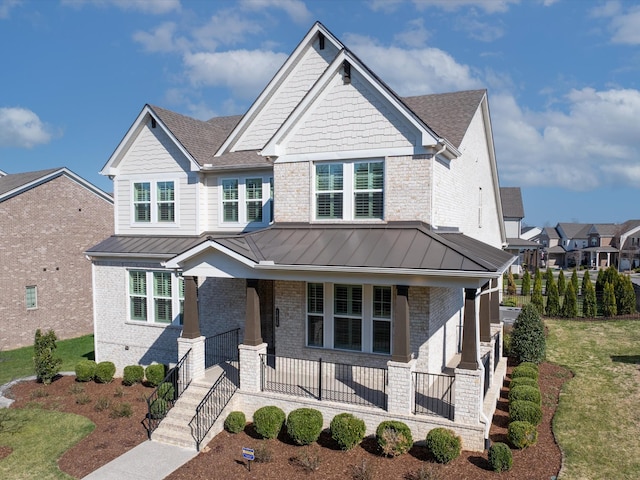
(155, 297)
(381, 319)
(230, 200)
(247, 200)
(253, 195)
(142, 201)
(138, 295)
(329, 191)
(31, 297)
(154, 202)
(348, 317)
(162, 297)
(315, 314)
(367, 185)
(166, 202)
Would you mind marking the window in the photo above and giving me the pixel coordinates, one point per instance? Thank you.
(156, 297)
(361, 197)
(230, 200)
(348, 317)
(164, 208)
(31, 297)
(315, 311)
(382, 319)
(247, 200)
(253, 192)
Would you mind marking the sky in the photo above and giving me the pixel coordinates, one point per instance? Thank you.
(563, 79)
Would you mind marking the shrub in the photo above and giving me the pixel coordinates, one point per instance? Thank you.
(536, 297)
(609, 306)
(101, 404)
(553, 299)
(522, 434)
(105, 372)
(589, 302)
(158, 408)
(570, 305)
(518, 381)
(527, 338)
(347, 430)
(443, 444)
(627, 298)
(509, 302)
(506, 343)
(132, 374)
(309, 459)
(394, 438)
(525, 392)
(235, 422)
(155, 374)
(263, 453)
(166, 391)
(524, 371)
(530, 365)
(575, 282)
(83, 399)
(511, 284)
(524, 411)
(85, 370)
(363, 471)
(304, 425)
(500, 457)
(45, 364)
(526, 283)
(121, 410)
(562, 284)
(268, 421)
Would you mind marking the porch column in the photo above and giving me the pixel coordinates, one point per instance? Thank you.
(495, 301)
(401, 340)
(250, 366)
(400, 389)
(252, 332)
(191, 321)
(470, 334)
(485, 314)
(195, 364)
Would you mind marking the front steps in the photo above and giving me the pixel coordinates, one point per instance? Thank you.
(174, 428)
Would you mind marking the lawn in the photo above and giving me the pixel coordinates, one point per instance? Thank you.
(598, 419)
(19, 363)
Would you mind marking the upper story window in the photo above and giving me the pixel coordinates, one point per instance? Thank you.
(348, 191)
(247, 200)
(154, 202)
(594, 241)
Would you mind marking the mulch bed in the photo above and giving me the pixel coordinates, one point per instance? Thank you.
(222, 457)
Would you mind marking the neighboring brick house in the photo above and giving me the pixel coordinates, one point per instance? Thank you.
(48, 219)
(333, 220)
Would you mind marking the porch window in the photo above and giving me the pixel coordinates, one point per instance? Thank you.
(382, 319)
(162, 296)
(230, 200)
(329, 183)
(315, 314)
(31, 297)
(138, 295)
(368, 183)
(142, 202)
(253, 192)
(181, 299)
(348, 317)
(155, 297)
(166, 202)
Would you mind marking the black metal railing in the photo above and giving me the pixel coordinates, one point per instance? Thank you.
(221, 348)
(487, 373)
(212, 405)
(496, 351)
(164, 397)
(337, 382)
(433, 394)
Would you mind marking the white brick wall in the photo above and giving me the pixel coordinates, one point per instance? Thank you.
(408, 188)
(292, 195)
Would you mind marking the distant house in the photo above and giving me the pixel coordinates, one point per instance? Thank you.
(627, 240)
(48, 218)
(600, 251)
(526, 251)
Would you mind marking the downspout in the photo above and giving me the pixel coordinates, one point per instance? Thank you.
(433, 179)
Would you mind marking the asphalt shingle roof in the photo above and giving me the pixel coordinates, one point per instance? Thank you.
(12, 181)
(511, 202)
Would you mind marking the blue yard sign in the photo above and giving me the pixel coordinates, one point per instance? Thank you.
(248, 453)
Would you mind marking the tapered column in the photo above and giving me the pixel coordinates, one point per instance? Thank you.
(470, 334)
(495, 301)
(485, 314)
(252, 332)
(401, 339)
(190, 321)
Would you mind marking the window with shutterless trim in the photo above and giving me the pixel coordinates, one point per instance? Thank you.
(246, 200)
(155, 297)
(154, 202)
(31, 297)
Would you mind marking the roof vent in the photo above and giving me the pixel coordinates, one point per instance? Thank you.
(153, 122)
(346, 72)
(321, 40)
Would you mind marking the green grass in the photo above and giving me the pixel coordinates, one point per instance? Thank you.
(598, 418)
(19, 363)
(41, 437)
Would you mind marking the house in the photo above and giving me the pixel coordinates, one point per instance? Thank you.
(48, 218)
(627, 240)
(339, 245)
(526, 251)
(600, 251)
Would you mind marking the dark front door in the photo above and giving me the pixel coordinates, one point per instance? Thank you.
(267, 323)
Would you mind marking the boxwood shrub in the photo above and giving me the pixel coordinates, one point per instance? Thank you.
(394, 438)
(524, 371)
(155, 373)
(85, 370)
(443, 444)
(524, 411)
(158, 408)
(525, 392)
(268, 421)
(132, 374)
(347, 430)
(235, 422)
(530, 365)
(166, 391)
(304, 425)
(518, 381)
(522, 434)
(105, 372)
(500, 457)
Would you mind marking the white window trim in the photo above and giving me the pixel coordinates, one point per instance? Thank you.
(348, 191)
(151, 313)
(153, 185)
(35, 291)
(267, 205)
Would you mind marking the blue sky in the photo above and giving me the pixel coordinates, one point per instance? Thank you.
(563, 78)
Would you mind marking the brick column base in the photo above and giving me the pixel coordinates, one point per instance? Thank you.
(468, 396)
(401, 390)
(250, 366)
(195, 364)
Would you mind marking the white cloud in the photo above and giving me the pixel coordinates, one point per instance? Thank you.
(226, 28)
(415, 35)
(22, 128)
(624, 23)
(160, 39)
(477, 29)
(154, 7)
(244, 72)
(6, 6)
(489, 6)
(296, 9)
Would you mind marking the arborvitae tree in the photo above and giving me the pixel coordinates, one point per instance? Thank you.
(600, 282)
(574, 281)
(618, 290)
(562, 284)
(609, 307)
(570, 304)
(548, 276)
(526, 283)
(553, 299)
(611, 275)
(589, 303)
(511, 284)
(585, 279)
(536, 297)
(527, 338)
(627, 302)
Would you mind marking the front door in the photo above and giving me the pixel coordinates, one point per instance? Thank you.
(267, 324)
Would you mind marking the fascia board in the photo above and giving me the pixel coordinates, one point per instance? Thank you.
(178, 261)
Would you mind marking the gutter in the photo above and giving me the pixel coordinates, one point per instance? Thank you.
(433, 178)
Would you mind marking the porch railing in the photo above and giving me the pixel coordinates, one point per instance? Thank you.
(487, 374)
(337, 382)
(164, 397)
(221, 348)
(433, 394)
(496, 351)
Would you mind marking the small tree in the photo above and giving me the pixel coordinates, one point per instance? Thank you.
(574, 281)
(600, 282)
(526, 284)
(627, 298)
(585, 278)
(589, 302)
(553, 299)
(511, 284)
(570, 304)
(46, 365)
(609, 307)
(548, 277)
(562, 283)
(527, 338)
(536, 297)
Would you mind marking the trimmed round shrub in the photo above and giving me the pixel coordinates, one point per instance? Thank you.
(268, 421)
(85, 370)
(155, 374)
(500, 457)
(528, 343)
(524, 371)
(158, 408)
(394, 438)
(524, 411)
(522, 434)
(105, 372)
(235, 422)
(525, 392)
(530, 365)
(166, 391)
(519, 381)
(304, 425)
(443, 444)
(347, 430)
(132, 374)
